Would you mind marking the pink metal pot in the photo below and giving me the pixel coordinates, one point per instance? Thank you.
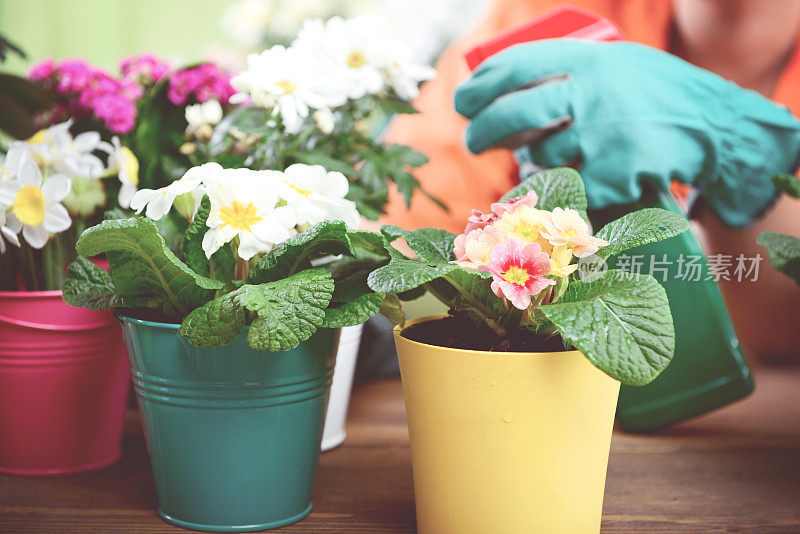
(64, 380)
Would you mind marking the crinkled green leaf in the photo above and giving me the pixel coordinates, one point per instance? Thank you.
(354, 312)
(329, 237)
(432, 245)
(640, 228)
(621, 323)
(288, 311)
(144, 268)
(784, 252)
(88, 286)
(788, 184)
(215, 323)
(401, 275)
(222, 265)
(561, 187)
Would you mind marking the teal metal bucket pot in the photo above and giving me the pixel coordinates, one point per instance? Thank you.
(233, 434)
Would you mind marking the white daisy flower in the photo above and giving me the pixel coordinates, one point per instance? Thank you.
(124, 163)
(353, 49)
(316, 195)
(365, 54)
(243, 205)
(159, 201)
(55, 149)
(35, 204)
(201, 117)
(404, 76)
(285, 78)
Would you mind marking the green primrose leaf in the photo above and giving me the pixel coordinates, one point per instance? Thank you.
(788, 184)
(215, 323)
(561, 187)
(222, 265)
(621, 323)
(329, 237)
(288, 311)
(88, 286)
(354, 312)
(640, 228)
(432, 245)
(401, 275)
(784, 252)
(143, 267)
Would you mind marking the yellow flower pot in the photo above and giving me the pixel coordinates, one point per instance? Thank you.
(506, 442)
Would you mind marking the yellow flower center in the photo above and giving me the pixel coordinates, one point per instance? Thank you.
(36, 138)
(569, 233)
(131, 165)
(286, 85)
(29, 205)
(356, 59)
(516, 275)
(239, 217)
(304, 192)
(528, 231)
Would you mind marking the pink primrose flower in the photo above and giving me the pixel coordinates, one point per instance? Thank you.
(518, 271)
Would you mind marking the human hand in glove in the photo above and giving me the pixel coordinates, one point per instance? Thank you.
(636, 115)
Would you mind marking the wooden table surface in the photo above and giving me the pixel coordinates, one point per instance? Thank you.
(736, 470)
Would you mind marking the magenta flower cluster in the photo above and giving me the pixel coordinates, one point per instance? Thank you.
(88, 91)
(203, 82)
(144, 69)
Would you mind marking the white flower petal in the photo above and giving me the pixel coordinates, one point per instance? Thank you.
(56, 218)
(56, 187)
(36, 236)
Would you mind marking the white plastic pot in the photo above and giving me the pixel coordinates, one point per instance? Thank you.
(334, 433)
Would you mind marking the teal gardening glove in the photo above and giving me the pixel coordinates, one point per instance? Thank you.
(637, 115)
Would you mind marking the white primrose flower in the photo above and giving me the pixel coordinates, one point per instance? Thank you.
(35, 204)
(286, 79)
(201, 117)
(316, 195)
(7, 233)
(159, 201)
(123, 162)
(55, 149)
(243, 205)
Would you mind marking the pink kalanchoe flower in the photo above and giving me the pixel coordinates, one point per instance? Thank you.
(473, 249)
(144, 69)
(42, 70)
(85, 91)
(518, 271)
(530, 199)
(115, 111)
(203, 82)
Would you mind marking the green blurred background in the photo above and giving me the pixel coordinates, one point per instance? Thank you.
(103, 31)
